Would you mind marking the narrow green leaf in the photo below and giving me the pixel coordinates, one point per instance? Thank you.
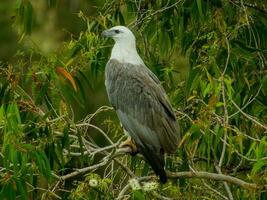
(138, 195)
(40, 95)
(22, 189)
(199, 6)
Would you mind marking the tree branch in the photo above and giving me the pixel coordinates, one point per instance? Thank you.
(216, 177)
(105, 161)
(254, 6)
(199, 175)
(248, 116)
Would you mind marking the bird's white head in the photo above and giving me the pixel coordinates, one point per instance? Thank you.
(120, 34)
(124, 49)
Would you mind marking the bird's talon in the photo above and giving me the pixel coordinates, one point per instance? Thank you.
(129, 143)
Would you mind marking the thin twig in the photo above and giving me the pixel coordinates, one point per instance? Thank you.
(214, 190)
(97, 128)
(226, 186)
(106, 159)
(199, 175)
(248, 116)
(250, 101)
(152, 14)
(216, 177)
(225, 119)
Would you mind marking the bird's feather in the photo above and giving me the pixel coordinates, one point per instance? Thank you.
(144, 111)
(142, 104)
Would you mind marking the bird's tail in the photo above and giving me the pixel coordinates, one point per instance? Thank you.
(156, 160)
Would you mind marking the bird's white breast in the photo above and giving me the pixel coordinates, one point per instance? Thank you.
(126, 53)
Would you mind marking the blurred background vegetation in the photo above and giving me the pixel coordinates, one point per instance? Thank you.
(211, 58)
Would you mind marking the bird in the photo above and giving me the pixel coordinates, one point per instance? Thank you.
(140, 101)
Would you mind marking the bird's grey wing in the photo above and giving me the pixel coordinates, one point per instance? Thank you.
(144, 111)
(162, 97)
(142, 105)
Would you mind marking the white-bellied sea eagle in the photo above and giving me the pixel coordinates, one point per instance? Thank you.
(140, 102)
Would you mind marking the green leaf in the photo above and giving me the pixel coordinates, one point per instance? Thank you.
(199, 6)
(207, 90)
(77, 47)
(26, 16)
(51, 3)
(65, 140)
(2, 115)
(196, 134)
(192, 81)
(258, 166)
(145, 170)
(264, 86)
(22, 189)
(43, 164)
(138, 195)
(8, 192)
(41, 91)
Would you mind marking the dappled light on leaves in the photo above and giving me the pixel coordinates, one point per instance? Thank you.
(59, 136)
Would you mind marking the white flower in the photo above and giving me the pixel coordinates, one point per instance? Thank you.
(148, 186)
(93, 182)
(135, 185)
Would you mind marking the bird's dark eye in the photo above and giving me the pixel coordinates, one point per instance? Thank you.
(117, 31)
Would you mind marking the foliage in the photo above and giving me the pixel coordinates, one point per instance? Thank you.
(210, 57)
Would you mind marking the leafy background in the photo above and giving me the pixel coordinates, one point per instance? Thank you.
(58, 135)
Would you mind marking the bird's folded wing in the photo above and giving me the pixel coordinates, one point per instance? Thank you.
(142, 105)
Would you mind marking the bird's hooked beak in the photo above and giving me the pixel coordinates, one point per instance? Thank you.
(107, 33)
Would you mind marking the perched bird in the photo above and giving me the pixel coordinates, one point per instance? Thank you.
(140, 102)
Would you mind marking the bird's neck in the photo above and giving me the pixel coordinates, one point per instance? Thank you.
(126, 52)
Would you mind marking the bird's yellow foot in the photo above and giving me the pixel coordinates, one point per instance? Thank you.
(129, 143)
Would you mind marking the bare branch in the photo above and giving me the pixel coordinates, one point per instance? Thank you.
(105, 160)
(199, 175)
(262, 9)
(135, 23)
(248, 116)
(214, 190)
(225, 120)
(216, 177)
